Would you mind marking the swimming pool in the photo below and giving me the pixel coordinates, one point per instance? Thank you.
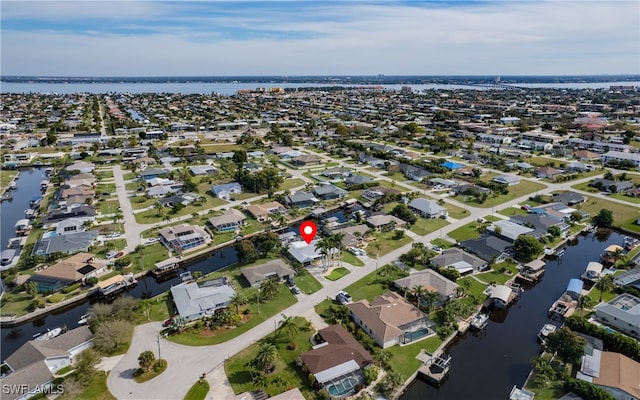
(343, 387)
(410, 336)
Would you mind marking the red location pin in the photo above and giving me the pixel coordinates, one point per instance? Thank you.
(308, 231)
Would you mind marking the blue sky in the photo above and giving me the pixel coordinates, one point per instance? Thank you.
(153, 38)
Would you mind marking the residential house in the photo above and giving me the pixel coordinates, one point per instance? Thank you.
(622, 313)
(87, 191)
(352, 236)
(305, 254)
(414, 173)
(301, 199)
(151, 173)
(306, 159)
(337, 357)
(385, 222)
(460, 260)
(329, 192)
(621, 156)
(427, 208)
(611, 186)
(389, 319)
(71, 225)
(82, 166)
(79, 180)
(68, 271)
(226, 190)
(522, 166)
(377, 192)
(569, 198)
(279, 150)
(431, 281)
(510, 231)
(33, 365)
(444, 183)
(154, 182)
(81, 213)
(557, 211)
(230, 220)
(547, 172)
(184, 199)
(203, 170)
(262, 212)
(275, 269)
(336, 173)
(357, 180)
(68, 244)
(576, 166)
(489, 248)
(194, 301)
(183, 237)
(541, 223)
(616, 373)
(586, 155)
(508, 180)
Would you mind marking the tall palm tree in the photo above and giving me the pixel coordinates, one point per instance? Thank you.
(269, 288)
(288, 325)
(431, 297)
(336, 239)
(266, 358)
(237, 300)
(418, 291)
(605, 284)
(159, 209)
(585, 302)
(324, 247)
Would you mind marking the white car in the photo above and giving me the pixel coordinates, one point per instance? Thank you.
(343, 297)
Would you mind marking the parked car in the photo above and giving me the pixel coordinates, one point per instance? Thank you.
(290, 281)
(343, 297)
(295, 289)
(436, 248)
(119, 254)
(356, 251)
(111, 254)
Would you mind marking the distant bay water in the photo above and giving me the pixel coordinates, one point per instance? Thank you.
(230, 88)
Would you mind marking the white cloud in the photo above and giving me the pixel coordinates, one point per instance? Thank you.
(503, 38)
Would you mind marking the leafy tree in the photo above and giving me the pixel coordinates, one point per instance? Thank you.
(111, 334)
(371, 374)
(604, 218)
(402, 211)
(554, 231)
(568, 345)
(85, 364)
(342, 130)
(246, 251)
(32, 289)
(266, 242)
(527, 248)
(146, 360)
(585, 302)
(239, 157)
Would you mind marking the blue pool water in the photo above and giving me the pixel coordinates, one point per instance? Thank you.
(343, 387)
(416, 334)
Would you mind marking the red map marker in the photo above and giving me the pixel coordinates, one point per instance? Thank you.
(308, 231)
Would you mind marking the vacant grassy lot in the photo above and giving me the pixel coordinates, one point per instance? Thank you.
(109, 206)
(424, 226)
(469, 231)
(521, 189)
(621, 212)
(306, 282)
(442, 243)
(455, 211)
(384, 243)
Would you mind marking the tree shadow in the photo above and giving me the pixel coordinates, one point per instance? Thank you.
(129, 373)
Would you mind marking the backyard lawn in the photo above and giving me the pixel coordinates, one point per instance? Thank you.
(500, 273)
(289, 374)
(403, 358)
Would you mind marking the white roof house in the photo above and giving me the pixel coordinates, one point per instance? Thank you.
(305, 254)
(622, 313)
(510, 230)
(193, 301)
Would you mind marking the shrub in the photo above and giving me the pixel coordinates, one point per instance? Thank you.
(71, 288)
(292, 346)
(92, 281)
(160, 365)
(56, 298)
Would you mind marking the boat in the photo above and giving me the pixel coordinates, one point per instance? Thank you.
(48, 171)
(567, 304)
(23, 226)
(48, 335)
(6, 256)
(544, 333)
(480, 321)
(12, 185)
(6, 197)
(30, 213)
(35, 201)
(84, 319)
(186, 276)
(593, 272)
(14, 243)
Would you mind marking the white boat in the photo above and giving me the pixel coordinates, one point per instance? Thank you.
(480, 321)
(544, 333)
(6, 256)
(84, 319)
(48, 335)
(30, 213)
(12, 185)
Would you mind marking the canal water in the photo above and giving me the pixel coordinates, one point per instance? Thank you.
(488, 365)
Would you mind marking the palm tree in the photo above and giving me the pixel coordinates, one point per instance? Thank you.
(585, 302)
(266, 358)
(269, 288)
(260, 381)
(288, 324)
(237, 300)
(418, 292)
(336, 238)
(324, 246)
(605, 284)
(431, 297)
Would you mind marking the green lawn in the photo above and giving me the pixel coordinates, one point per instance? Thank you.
(140, 202)
(374, 284)
(6, 177)
(306, 282)
(624, 197)
(511, 211)
(140, 377)
(129, 176)
(475, 289)
(386, 242)
(621, 212)
(469, 231)
(455, 211)
(442, 243)
(286, 368)
(337, 274)
(109, 206)
(631, 225)
(403, 358)
(351, 259)
(198, 391)
(152, 217)
(495, 275)
(594, 294)
(424, 226)
(146, 258)
(96, 389)
(15, 304)
(521, 189)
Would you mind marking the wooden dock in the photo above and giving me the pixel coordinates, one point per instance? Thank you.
(436, 369)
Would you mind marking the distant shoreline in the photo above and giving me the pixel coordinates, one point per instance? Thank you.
(359, 80)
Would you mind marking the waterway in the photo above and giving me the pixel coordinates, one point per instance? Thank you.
(230, 88)
(488, 365)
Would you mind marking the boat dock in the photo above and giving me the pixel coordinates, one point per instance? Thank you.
(116, 284)
(165, 267)
(531, 272)
(436, 368)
